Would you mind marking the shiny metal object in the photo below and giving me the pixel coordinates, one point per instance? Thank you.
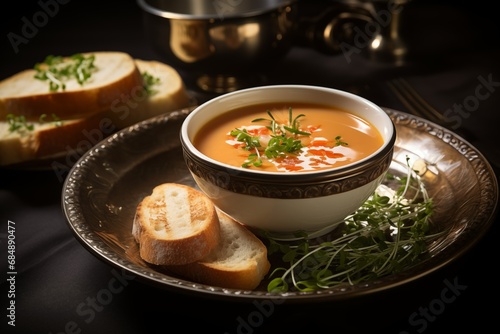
(388, 44)
(333, 27)
(101, 193)
(226, 45)
(220, 42)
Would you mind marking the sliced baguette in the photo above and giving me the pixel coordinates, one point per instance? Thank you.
(167, 95)
(116, 74)
(50, 139)
(239, 261)
(74, 135)
(175, 225)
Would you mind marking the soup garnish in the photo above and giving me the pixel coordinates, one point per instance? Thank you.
(284, 139)
(305, 137)
(388, 234)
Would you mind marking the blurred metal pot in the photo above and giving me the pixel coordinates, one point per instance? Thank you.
(220, 42)
(225, 45)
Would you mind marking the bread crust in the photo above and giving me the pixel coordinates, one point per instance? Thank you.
(159, 242)
(169, 94)
(47, 140)
(239, 261)
(75, 135)
(27, 96)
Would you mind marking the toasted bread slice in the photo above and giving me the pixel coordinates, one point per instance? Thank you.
(72, 136)
(116, 73)
(175, 225)
(239, 261)
(166, 95)
(49, 139)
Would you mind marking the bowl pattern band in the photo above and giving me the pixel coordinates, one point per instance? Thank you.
(274, 186)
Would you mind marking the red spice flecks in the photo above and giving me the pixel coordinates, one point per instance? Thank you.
(238, 145)
(319, 142)
(258, 131)
(318, 162)
(252, 131)
(289, 163)
(325, 153)
(313, 128)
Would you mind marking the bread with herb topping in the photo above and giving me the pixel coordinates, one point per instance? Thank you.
(47, 140)
(175, 224)
(167, 92)
(238, 262)
(115, 73)
(23, 140)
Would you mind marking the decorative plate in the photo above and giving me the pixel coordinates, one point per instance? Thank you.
(104, 187)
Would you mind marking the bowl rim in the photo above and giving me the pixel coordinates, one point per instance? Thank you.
(324, 174)
(148, 8)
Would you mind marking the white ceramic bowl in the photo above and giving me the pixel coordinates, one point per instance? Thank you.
(283, 203)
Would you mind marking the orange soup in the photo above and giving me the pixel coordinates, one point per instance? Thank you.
(288, 138)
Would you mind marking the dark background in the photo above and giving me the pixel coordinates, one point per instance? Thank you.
(450, 41)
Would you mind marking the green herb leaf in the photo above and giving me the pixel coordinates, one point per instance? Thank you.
(283, 140)
(19, 124)
(55, 119)
(58, 70)
(386, 235)
(150, 81)
(340, 142)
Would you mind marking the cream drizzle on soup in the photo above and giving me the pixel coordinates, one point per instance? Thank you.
(334, 137)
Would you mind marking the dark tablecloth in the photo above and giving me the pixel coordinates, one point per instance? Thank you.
(60, 287)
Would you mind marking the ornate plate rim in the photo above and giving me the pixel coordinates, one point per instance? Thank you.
(99, 248)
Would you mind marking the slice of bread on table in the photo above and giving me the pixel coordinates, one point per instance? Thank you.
(115, 98)
(238, 262)
(219, 252)
(174, 225)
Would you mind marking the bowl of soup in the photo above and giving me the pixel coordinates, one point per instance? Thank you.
(288, 158)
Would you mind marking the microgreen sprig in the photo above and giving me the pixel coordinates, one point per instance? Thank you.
(19, 124)
(386, 235)
(340, 142)
(243, 136)
(55, 119)
(283, 139)
(57, 70)
(149, 81)
(278, 129)
(252, 143)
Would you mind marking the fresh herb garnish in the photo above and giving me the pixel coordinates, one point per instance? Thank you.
(340, 142)
(284, 139)
(280, 130)
(252, 143)
(150, 81)
(55, 119)
(19, 124)
(57, 70)
(386, 235)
